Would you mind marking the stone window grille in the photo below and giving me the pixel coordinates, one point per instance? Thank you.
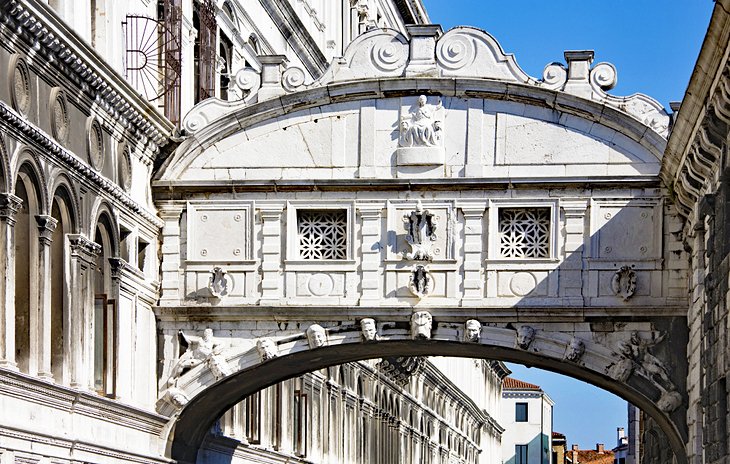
(524, 233)
(322, 234)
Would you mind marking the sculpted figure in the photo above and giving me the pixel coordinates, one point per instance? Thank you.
(368, 329)
(316, 336)
(472, 331)
(217, 284)
(267, 349)
(638, 349)
(669, 401)
(525, 336)
(175, 397)
(421, 322)
(422, 128)
(420, 282)
(218, 365)
(199, 349)
(421, 232)
(576, 348)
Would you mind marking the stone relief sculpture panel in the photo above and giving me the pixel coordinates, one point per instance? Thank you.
(623, 282)
(635, 357)
(218, 284)
(421, 134)
(576, 349)
(420, 282)
(421, 233)
(203, 349)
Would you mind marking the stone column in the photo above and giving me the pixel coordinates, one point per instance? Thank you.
(9, 205)
(80, 342)
(371, 216)
(271, 278)
(473, 253)
(171, 284)
(123, 359)
(46, 226)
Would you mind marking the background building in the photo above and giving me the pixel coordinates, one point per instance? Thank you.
(527, 417)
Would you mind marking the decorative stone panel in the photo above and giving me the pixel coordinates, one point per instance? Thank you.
(626, 230)
(95, 143)
(219, 232)
(441, 246)
(20, 86)
(59, 116)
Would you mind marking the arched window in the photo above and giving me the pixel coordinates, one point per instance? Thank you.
(226, 54)
(105, 339)
(60, 316)
(26, 267)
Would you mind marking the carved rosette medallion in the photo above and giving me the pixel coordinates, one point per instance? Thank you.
(125, 168)
(95, 143)
(19, 79)
(623, 282)
(59, 116)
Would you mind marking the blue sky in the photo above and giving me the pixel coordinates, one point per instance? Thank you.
(654, 45)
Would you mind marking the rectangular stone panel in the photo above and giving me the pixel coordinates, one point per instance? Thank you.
(219, 232)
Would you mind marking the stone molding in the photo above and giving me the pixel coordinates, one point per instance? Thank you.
(46, 226)
(80, 63)
(462, 52)
(9, 118)
(83, 248)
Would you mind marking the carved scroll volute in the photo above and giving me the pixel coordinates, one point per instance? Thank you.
(623, 282)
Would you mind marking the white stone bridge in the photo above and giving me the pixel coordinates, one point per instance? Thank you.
(422, 174)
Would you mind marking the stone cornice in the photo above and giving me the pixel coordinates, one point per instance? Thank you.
(73, 55)
(291, 27)
(706, 98)
(10, 119)
(412, 11)
(82, 247)
(66, 399)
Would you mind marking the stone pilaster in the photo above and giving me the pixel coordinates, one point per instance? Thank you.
(80, 343)
(271, 275)
(46, 226)
(571, 269)
(171, 283)
(473, 252)
(422, 53)
(9, 205)
(371, 216)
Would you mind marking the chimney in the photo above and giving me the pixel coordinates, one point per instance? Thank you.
(599, 448)
(574, 454)
(620, 435)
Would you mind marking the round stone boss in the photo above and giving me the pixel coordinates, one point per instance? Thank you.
(59, 115)
(19, 79)
(95, 143)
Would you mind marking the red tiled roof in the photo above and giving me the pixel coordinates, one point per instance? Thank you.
(594, 457)
(510, 383)
(558, 435)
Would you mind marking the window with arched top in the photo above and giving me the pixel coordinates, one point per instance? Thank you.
(60, 291)
(26, 268)
(105, 312)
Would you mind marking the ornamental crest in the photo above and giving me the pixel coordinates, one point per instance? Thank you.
(421, 227)
(623, 282)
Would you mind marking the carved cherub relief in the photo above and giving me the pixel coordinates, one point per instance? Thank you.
(422, 127)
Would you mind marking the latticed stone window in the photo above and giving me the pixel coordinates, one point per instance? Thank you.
(524, 232)
(322, 234)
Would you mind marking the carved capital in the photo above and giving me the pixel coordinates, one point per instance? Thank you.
(46, 226)
(82, 248)
(117, 265)
(9, 206)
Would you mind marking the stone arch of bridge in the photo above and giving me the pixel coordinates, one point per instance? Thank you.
(246, 371)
